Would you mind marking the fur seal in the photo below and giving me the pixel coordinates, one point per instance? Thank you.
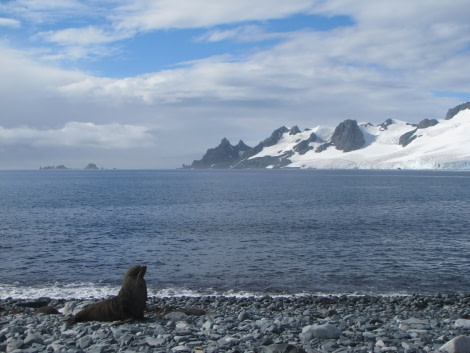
(129, 304)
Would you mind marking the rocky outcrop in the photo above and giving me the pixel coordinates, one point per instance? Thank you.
(294, 130)
(322, 147)
(386, 124)
(425, 123)
(227, 156)
(410, 136)
(222, 156)
(407, 138)
(267, 161)
(348, 136)
(304, 146)
(91, 166)
(453, 112)
(275, 137)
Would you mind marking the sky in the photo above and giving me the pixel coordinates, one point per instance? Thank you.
(141, 84)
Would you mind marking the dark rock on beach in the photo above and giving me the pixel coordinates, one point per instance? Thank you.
(38, 303)
(48, 310)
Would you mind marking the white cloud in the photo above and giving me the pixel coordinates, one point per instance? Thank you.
(25, 78)
(45, 5)
(42, 11)
(150, 15)
(9, 22)
(248, 33)
(91, 43)
(81, 36)
(356, 63)
(405, 14)
(81, 135)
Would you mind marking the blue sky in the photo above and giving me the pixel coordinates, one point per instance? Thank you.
(153, 84)
(167, 48)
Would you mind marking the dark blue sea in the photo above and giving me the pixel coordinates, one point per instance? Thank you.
(73, 233)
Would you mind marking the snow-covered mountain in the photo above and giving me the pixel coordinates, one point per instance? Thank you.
(394, 144)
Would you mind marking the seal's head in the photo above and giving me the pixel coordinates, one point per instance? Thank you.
(136, 272)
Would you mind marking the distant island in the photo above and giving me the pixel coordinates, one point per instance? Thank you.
(54, 167)
(89, 166)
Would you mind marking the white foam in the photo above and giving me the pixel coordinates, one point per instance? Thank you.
(92, 291)
(57, 291)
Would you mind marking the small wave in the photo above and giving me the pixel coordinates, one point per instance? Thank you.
(92, 291)
(57, 291)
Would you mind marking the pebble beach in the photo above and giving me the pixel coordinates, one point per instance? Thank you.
(266, 324)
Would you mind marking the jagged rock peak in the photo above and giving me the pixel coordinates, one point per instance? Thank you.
(294, 130)
(386, 124)
(242, 146)
(348, 136)
(312, 138)
(221, 156)
(453, 111)
(275, 136)
(425, 123)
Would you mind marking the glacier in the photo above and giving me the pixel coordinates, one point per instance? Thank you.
(443, 146)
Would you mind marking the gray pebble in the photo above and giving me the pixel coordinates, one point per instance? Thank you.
(460, 344)
(85, 342)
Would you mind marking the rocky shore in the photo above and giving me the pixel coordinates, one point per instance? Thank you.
(265, 325)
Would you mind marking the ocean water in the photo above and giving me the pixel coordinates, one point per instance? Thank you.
(73, 233)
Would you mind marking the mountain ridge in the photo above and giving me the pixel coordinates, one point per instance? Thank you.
(393, 144)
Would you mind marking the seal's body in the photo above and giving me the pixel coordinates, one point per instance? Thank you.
(129, 304)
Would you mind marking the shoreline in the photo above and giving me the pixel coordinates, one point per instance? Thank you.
(90, 291)
(366, 323)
